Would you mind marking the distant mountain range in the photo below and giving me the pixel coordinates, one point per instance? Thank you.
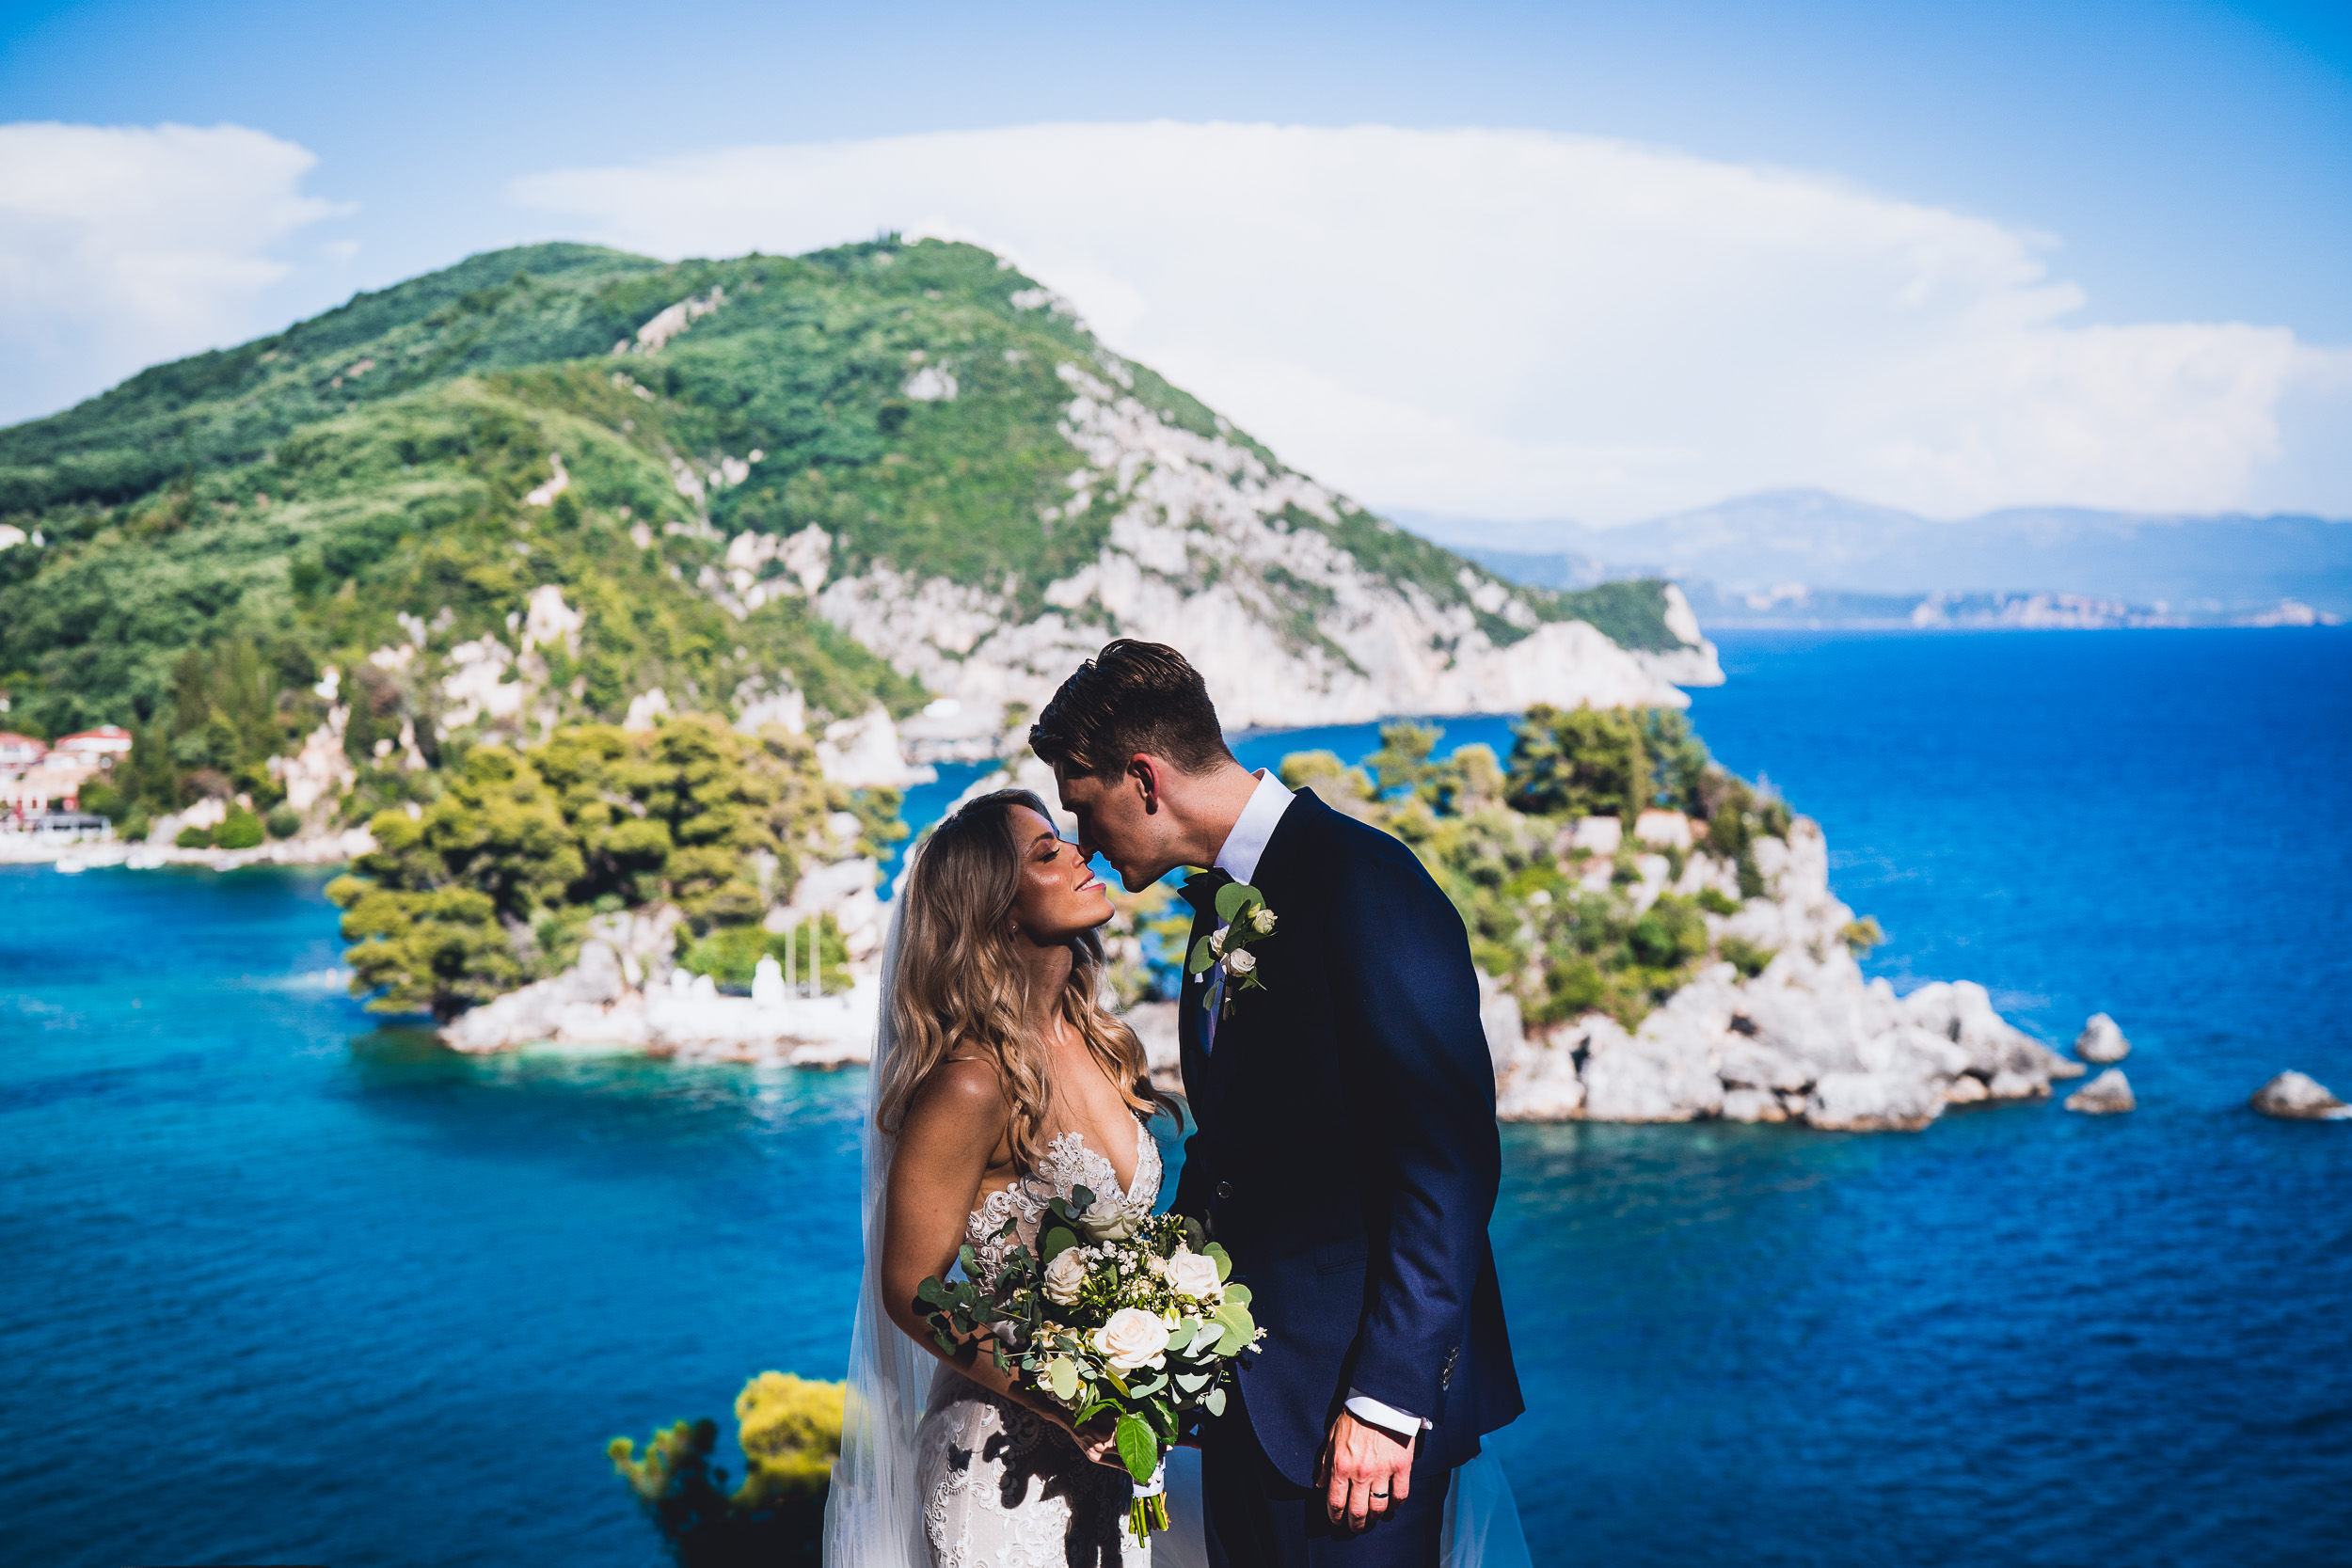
(1797, 555)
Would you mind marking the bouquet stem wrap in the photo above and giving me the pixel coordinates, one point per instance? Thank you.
(1149, 1510)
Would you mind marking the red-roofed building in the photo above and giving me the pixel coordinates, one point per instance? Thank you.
(108, 740)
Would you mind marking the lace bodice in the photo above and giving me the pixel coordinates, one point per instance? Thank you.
(1068, 1165)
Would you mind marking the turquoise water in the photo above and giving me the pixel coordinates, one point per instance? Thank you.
(277, 1286)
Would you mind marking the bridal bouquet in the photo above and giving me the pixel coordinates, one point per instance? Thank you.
(1118, 1311)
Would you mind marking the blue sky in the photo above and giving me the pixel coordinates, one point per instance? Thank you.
(2170, 164)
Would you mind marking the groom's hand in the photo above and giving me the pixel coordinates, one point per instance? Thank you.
(1367, 1471)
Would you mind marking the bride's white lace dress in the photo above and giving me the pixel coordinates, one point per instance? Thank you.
(1002, 1487)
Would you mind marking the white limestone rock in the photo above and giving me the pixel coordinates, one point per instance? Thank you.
(2109, 1094)
(2101, 1043)
(1155, 1023)
(1206, 538)
(1753, 1105)
(1664, 1072)
(1807, 1038)
(863, 752)
(1541, 1083)
(2296, 1098)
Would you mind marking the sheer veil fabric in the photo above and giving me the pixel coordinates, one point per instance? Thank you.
(874, 1513)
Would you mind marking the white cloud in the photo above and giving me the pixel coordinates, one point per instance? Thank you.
(122, 245)
(1520, 325)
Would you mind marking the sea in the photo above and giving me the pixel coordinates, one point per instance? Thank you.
(281, 1282)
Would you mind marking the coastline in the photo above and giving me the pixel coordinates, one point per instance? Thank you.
(72, 857)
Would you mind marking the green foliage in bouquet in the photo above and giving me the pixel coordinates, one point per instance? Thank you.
(1118, 1314)
(789, 1429)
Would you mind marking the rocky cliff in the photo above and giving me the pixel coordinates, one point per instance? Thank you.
(1804, 1039)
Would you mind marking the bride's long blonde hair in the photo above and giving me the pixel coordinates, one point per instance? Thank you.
(961, 989)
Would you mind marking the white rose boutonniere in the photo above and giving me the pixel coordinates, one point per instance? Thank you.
(1247, 923)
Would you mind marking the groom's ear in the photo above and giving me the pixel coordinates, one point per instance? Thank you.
(1143, 773)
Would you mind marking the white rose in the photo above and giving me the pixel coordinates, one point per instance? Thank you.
(1263, 922)
(1240, 960)
(1194, 1274)
(1109, 1220)
(1064, 1277)
(1132, 1338)
(1216, 943)
(1011, 1334)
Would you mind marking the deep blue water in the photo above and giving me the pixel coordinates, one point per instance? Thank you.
(279, 1286)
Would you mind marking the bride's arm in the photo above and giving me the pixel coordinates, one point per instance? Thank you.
(955, 1124)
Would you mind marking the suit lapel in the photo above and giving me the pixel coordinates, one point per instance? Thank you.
(1276, 879)
(1189, 1013)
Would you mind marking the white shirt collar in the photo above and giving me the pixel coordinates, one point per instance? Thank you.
(1246, 844)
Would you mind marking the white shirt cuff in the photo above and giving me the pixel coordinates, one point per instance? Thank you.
(1387, 1416)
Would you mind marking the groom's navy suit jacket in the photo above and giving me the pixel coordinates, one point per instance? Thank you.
(1346, 1155)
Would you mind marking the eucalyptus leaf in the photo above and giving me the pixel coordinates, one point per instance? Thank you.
(1064, 1379)
(1054, 1243)
(1215, 1403)
(1238, 1294)
(1233, 897)
(1181, 1335)
(1192, 1383)
(1202, 957)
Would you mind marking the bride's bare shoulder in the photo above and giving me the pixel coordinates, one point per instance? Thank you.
(961, 1091)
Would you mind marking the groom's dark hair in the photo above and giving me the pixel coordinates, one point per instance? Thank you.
(1131, 697)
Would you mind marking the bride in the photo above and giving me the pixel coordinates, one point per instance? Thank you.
(1001, 1082)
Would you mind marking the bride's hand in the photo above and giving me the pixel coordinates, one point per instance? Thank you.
(1098, 1441)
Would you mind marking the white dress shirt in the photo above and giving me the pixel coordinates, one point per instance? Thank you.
(1245, 845)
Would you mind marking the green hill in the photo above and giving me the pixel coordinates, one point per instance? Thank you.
(206, 539)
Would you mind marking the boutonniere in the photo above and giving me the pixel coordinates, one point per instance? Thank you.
(1247, 923)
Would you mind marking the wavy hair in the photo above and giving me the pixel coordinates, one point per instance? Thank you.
(963, 991)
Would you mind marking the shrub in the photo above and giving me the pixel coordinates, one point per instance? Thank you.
(1862, 935)
(283, 823)
(193, 837)
(1745, 956)
(730, 955)
(135, 827)
(239, 829)
(1715, 901)
(1670, 934)
(790, 1431)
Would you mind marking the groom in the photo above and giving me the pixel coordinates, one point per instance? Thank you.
(1346, 1155)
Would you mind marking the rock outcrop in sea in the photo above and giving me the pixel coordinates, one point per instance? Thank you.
(2297, 1098)
(625, 993)
(2102, 1043)
(2107, 1095)
(1806, 1040)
